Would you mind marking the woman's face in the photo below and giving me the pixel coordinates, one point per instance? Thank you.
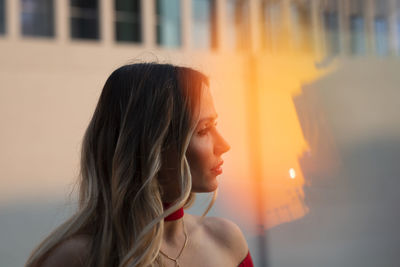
(206, 148)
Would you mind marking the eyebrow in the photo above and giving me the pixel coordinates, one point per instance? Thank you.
(212, 118)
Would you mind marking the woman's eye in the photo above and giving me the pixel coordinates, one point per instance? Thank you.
(206, 129)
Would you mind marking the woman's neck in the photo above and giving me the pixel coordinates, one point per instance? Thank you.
(173, 224)
(173, 231)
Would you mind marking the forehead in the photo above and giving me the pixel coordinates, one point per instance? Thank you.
(207, 108)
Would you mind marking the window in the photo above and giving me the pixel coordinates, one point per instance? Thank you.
(168, 23)
(357, 28)
(272, 25)
(381, 27)
(37, 18)
(204, 24)
(381, 33)
(398, 26)
(331, 26)
(84, 19)
(2, 18)
(128, 21)
(238, 24)
(357, 35)
(300, 12)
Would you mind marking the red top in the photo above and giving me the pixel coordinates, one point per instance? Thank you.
(247, 262)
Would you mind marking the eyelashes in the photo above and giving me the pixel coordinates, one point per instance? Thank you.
(203, 131)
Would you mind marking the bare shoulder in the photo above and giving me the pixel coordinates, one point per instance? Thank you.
(72, 252)
(228, 235)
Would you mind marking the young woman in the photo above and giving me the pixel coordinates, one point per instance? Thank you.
(151, 144)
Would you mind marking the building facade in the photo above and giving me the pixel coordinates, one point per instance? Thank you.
(56, 55)
(346, 27)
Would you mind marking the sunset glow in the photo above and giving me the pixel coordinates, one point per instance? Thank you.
(280, 142)
(292, 173)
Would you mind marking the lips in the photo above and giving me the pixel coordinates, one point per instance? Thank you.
(218, 168)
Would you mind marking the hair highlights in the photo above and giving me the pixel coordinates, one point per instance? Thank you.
(143, 109)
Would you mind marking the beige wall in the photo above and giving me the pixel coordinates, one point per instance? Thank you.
(48, 93)
(49, 88)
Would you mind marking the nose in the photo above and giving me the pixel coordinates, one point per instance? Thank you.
(221, 145)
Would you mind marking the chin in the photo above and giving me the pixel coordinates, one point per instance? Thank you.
(212, 188)
(205, 188)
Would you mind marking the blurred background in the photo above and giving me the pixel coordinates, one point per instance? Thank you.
(307, 95)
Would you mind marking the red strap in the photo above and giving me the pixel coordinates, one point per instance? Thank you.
(175, 215)
(247, 262)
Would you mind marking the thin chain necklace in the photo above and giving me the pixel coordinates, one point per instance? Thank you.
(180, 252)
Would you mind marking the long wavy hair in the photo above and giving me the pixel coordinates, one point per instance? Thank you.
(143, 110)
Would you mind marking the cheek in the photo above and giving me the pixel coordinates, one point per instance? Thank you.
(198, 154)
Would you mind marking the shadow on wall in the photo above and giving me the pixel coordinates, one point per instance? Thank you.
(352, 184)
(24, 224)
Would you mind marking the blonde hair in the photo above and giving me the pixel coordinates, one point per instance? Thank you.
(143, 109)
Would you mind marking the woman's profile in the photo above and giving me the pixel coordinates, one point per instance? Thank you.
(151, 145)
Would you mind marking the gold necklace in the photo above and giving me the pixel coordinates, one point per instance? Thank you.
(180, 252)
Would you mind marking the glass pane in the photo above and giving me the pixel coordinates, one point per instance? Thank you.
(128, 31)
(85, 3)
(37, 17)
(381, 27)
(398, 34)
(238, 24)
(84, 19)
(397, 26)
(271, 23)
(83, 28)
(331, 25)
(132, 6)
(381, 36)
(357, 35)
(203, 26)
(128, 21)
(2, 18)
(301, 25)
(230, 31)
(168, 23)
